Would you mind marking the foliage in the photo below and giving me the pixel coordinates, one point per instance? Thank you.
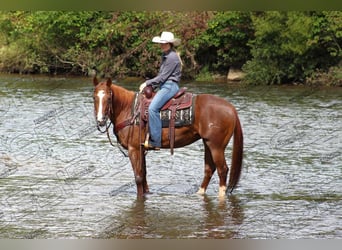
(271, 47)
(204, 75)
(333, 77)
(291, 46)
(224, 42)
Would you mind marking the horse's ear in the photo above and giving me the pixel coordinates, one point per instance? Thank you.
(95, 81)
(109, 81)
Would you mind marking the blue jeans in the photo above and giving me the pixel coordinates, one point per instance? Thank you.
(166, 92)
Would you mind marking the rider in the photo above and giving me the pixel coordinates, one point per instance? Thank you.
(167, 80)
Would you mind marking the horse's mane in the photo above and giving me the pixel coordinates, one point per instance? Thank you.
(124, 96)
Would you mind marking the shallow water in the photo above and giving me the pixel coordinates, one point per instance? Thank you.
(60, 178)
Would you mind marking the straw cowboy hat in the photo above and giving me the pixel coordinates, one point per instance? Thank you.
(166, 37)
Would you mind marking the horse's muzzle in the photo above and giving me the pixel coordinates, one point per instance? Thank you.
(101, 123)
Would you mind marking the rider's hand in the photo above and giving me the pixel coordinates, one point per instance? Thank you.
(142, 86)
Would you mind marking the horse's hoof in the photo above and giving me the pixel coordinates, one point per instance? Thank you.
(222, 191)
(201, 191)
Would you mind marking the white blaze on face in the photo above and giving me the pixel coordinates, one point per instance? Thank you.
(100, 95)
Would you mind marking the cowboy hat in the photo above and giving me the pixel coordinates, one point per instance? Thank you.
(166, 37)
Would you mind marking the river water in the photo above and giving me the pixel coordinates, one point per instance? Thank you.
(60, 178)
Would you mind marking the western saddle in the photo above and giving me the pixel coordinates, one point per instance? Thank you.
(181, 100)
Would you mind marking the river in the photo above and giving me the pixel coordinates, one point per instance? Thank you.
(60, 178)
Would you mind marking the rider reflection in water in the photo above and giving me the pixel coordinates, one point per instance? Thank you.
(167, 80)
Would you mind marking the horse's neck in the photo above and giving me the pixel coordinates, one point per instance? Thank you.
(122, 102)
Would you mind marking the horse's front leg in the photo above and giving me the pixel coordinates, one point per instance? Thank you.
(143, 167)
(138, 162)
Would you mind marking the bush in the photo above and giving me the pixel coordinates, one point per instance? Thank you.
(291, 46)
(224, 42)
(331, 78)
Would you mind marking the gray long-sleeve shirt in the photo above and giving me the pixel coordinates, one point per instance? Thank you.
(170, 69)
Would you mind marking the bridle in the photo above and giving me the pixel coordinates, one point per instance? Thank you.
(107, 114)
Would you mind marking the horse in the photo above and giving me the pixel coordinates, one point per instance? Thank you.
(215, 122)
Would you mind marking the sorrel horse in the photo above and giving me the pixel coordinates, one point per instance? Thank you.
(215, 121)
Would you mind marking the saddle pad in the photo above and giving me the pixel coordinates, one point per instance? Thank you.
(183, 117)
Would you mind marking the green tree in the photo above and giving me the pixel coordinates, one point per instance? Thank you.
(224, 42)
(290, 46)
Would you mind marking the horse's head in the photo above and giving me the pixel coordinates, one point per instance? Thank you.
(102, 100)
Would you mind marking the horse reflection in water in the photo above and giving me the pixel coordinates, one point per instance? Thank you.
(215, 122)
(144, 219)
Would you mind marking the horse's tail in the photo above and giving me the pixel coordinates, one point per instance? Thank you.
(236, 165)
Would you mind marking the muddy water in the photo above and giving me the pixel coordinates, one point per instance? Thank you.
(60, 178)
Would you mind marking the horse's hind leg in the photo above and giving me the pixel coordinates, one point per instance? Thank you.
(218, 161)
(222, 170)
(209, 169)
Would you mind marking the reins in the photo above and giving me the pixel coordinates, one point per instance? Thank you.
(117, 143)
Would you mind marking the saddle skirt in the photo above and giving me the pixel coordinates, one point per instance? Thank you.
(179, 108)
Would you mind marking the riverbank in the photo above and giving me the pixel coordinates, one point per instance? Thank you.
(333, 78)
